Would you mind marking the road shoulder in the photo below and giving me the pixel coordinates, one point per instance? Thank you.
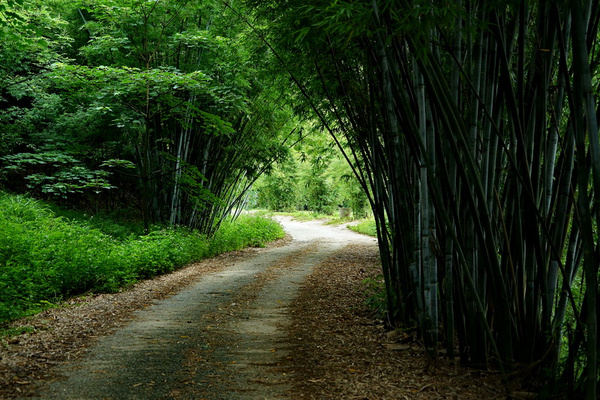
(342, 351)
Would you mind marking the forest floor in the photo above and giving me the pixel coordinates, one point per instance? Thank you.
(285, 322)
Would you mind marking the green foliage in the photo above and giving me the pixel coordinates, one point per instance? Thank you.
(482, 157)
(54, 173)
(19, 330)
(366, 227)
(119, 224)
(171, 88)
(162, 251)
(314, 177)
(318, 194)
(277, 191)
(45, 258)
(376, 298)
(193, 183)
(246, 231)
(349, 192)
(29, 34)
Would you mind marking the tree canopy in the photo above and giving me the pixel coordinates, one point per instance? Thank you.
(166, 101)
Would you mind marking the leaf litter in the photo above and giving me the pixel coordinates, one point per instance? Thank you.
(344, 351)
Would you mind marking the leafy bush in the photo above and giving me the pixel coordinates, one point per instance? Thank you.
(318, 194)
(163, 251)
(246, 231)
(45, 258)
(119, 224)
(54, 173)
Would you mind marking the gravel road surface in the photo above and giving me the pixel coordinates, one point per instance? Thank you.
(223, 337)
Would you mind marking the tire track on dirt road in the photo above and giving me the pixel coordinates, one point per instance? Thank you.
(222, 337)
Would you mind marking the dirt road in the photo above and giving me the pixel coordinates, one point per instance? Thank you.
(222, 337)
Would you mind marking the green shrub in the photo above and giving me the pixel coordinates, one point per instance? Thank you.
(118, 224)
(246, 231)
(45, 258)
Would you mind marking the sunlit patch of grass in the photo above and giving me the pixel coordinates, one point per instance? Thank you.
(366, 227)
(307, 215)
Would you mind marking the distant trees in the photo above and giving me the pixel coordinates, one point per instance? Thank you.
(314, 177)
(474, 124)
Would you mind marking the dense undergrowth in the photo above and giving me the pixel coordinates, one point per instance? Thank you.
(47, 255)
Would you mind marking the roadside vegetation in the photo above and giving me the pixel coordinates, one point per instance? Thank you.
(46, 257)
(366, 227)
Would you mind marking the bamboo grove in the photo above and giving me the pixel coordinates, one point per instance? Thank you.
(473, 126)
(158, 106)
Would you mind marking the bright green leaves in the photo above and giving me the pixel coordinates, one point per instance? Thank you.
(149, 34)
(8, 12)
(214, 125)
(44, 258)
(29, 31)
(160, 81)
(198, 39)
(148, 93)
(11, 13)
(106, 47)
(193, 183)
(117, 163)
(54, 173)
(19, 36)
(312, 177)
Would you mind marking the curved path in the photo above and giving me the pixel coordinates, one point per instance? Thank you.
(222, 337)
